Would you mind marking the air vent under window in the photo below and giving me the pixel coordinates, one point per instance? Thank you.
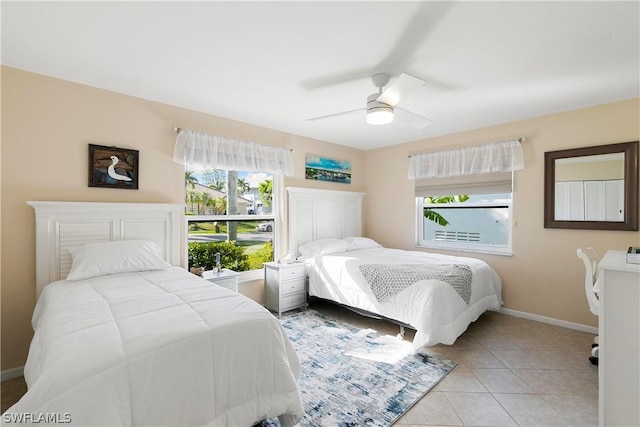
(457, 236)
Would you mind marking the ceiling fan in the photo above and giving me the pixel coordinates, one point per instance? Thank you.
(382, 107)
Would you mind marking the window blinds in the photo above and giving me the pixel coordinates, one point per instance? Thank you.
(494, 183)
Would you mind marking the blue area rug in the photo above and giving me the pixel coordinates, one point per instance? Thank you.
(357, 377)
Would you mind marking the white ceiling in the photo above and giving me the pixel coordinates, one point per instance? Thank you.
(276, 64)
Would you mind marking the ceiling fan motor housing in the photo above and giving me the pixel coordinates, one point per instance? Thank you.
(380, 80)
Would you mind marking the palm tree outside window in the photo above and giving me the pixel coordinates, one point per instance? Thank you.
(231, 208)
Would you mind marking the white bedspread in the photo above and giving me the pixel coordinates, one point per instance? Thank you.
(432, 307)
(156, 348)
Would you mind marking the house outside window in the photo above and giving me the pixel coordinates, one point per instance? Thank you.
(475, 222)
(243, 228)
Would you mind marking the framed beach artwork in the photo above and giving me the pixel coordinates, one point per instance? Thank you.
(113, 167)
(323, 169)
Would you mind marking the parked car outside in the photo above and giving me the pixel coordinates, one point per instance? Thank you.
(265, 226)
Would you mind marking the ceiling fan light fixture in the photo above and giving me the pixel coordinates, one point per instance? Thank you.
(379, 115)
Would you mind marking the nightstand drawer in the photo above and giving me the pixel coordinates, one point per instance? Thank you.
(293, 301)
(292, 286)
(291, 274)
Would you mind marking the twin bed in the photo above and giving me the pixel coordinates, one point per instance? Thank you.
(123, 336)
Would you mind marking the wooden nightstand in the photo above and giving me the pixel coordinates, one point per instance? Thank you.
(285, 286)
(226, 278)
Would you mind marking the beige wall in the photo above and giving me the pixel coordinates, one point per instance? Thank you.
(47, 125)
(591, 171)
(544, 276)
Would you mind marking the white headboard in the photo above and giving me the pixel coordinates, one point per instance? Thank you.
(64, 225)
(321, 214)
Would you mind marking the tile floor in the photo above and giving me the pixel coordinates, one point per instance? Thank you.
(511, 372)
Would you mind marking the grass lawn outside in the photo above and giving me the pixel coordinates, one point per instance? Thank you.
(209, 227)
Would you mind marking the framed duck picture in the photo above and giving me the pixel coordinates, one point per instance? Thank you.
(113, 167)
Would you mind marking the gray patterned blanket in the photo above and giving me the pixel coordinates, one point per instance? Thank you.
(386, 280)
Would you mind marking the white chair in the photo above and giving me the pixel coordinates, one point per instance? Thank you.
(591, 287)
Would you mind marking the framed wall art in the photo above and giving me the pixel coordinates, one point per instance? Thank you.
(323, 169)
(113, 167)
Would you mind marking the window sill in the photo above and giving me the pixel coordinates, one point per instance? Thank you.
(477, 250)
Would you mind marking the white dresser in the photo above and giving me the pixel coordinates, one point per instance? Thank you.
(619, 335)
(285, 286)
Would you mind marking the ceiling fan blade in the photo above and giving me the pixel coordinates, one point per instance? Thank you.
(411, 119)
(338, 78)
(329, 116)
(400, 88)
(427, 17)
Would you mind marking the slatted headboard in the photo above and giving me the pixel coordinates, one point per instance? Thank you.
(63, 225)
(321, 214)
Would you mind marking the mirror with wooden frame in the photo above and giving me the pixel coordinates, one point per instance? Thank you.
(592, 187)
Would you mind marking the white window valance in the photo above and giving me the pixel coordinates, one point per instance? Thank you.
(489, 158)
(195, 148)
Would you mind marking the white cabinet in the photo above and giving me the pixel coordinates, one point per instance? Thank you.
(227, 278)
(569, 201)
(589, 200)
(619, 337)
(285, 286)
(604, 200)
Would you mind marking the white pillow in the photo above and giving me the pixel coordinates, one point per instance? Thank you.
(323, 247)
(361, 243)
(118, 256)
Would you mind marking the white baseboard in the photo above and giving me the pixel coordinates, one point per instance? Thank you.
(12, 373)
(550, 321)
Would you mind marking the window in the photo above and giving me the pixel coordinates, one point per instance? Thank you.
(466, 213)
(464, 196)
(243, 228)
(476, 222)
